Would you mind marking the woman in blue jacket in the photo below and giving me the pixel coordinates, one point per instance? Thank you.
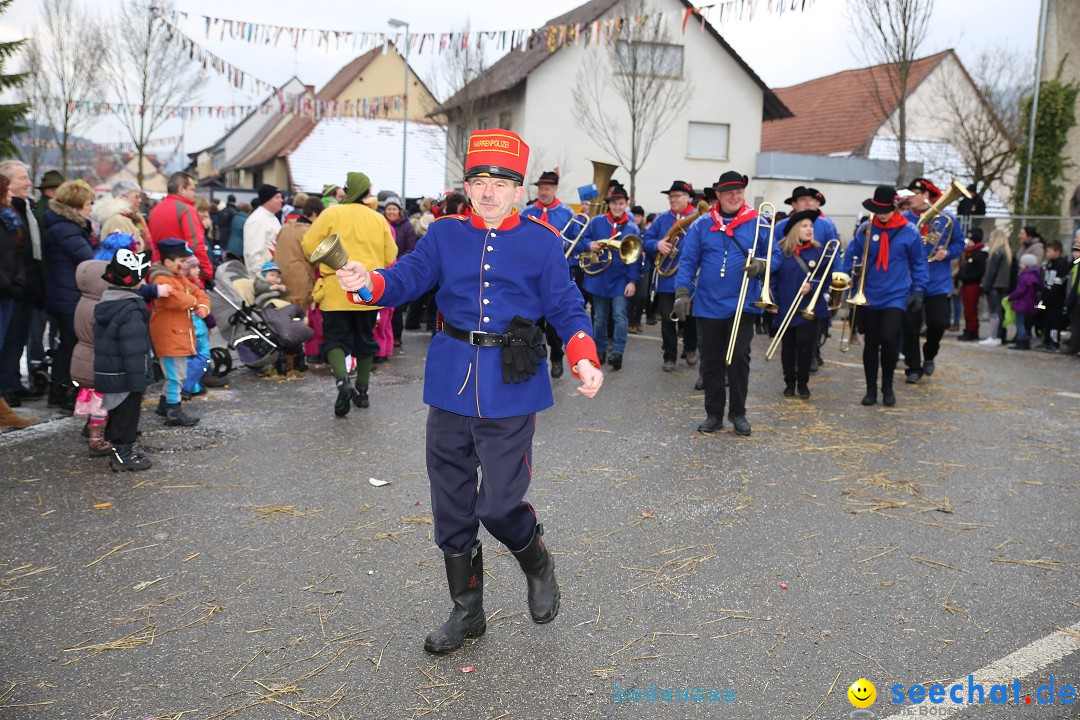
(800, 254)
(890, 252)
(66, 243)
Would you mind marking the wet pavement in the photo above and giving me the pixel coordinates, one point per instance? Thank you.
(256, 572)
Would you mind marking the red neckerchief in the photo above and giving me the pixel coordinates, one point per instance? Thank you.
(509, 222)
(545, 208)
(975, 247)
(804, 246)
(745, 214)
(685, 211)
(897, 220)
(615, 223)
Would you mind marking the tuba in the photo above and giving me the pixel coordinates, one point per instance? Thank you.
(668, 265)
(939, 238)
(590, 208)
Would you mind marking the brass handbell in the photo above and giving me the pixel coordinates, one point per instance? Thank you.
(332, 254)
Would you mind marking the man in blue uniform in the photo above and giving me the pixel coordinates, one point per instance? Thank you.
(549, 209)
(655, 243)
(718, 245)
(617, 283)
(497, 273)
(939, 284)
(895, 268)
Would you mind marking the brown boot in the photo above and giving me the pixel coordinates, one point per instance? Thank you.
(97, 444)
(10, 418)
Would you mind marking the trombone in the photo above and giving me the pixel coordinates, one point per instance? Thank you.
(859, 298)
(817, 274)
(580, 221)
(766, 218)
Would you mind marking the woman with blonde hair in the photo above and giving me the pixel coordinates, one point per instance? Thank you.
(801, 254)
(996, 283)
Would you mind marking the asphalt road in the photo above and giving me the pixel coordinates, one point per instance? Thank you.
(255, 572)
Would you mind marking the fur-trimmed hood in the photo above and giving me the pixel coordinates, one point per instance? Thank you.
(68, 213)
(157, 270)
(108, 206)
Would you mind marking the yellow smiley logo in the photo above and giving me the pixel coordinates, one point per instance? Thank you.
(862, 693)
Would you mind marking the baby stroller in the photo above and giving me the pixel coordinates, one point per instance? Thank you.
(263, 336)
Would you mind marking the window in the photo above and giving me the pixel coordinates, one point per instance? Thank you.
(462, 140)
(651, 59)
(707, 140)
(504, 119)
(484, 124)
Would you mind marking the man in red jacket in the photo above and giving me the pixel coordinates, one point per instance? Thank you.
(175, 217)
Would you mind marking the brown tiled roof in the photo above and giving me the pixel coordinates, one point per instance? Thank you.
(515, 66)
(839, 113)
(281, 143)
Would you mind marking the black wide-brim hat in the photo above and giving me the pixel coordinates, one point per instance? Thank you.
(731, 180)
(548, 178)
(795, 218)
(884, 200)
(679, 186)
(800, 191)
(817, 193)
(617, 192)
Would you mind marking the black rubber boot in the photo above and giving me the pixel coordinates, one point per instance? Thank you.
(888, 397)
(360, 397)
(539, 569)
(343, 402)
(465, 576)
(176, 416)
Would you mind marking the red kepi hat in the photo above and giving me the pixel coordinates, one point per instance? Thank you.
(496, 153)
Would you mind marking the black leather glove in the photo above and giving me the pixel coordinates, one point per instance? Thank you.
(524, 350)
(755, 267)
(682, 304)
(915, 302)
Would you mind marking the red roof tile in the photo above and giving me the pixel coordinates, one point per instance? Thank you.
(839, 113)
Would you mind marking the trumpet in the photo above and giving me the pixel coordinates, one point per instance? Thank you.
(668, 265)
(628, 248)
(766, 218)
(939, 238)
(817, 273)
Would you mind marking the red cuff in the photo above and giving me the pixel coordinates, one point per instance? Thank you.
(581, 347)
(378, 285)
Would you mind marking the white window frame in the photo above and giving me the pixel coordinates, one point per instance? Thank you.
(693, 152)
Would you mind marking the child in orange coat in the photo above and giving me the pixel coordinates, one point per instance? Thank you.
(171, 327)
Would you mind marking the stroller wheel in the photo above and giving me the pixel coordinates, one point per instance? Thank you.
(41, 381)
(300, 362)
(222, 361)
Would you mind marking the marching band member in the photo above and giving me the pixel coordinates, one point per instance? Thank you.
(496, 273)
(800, 253)
(612, 288)
(718, 244)
(551, 210)
(654, 244)
(896, 275)
(824, 228)
(808, 198)
(938, 285)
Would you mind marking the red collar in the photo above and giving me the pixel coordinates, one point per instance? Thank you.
(805, 246)
(189, 203)
(686, 210)
(509, 222)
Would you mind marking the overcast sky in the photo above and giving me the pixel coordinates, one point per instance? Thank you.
(782, 50)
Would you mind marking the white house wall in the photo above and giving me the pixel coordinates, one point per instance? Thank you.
(721, 90)
(248, 128)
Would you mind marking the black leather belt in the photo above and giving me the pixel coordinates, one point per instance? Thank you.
(475, 337)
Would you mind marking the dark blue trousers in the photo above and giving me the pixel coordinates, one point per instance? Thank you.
(457, 448)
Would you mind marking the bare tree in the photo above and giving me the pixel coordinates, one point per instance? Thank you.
(71, 44)
(985, 127)
(34, 93)
(889, 33)
(148, 72)
(452, 82)
(645, 73)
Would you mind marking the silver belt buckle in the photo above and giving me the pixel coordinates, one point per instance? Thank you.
(473, 337)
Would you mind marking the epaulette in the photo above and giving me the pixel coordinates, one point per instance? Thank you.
(538, 221)
(456, 217)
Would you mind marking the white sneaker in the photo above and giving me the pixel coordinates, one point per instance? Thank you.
(990, 341)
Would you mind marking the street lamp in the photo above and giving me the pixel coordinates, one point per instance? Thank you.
(404, 103)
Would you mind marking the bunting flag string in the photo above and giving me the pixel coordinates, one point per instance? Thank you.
(279, 103)
(97, 146)
(553, 37)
